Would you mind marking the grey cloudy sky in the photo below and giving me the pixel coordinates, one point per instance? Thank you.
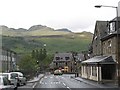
(76, 15)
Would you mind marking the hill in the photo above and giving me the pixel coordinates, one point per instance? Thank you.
(36, 30)
(63, 40)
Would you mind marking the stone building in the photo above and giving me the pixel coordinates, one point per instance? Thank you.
(7, 60)
(104, 51)
(64, 61)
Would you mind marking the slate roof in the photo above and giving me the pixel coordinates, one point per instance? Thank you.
(80, 57)
(62, 56)
(101, 27)
(100, 60)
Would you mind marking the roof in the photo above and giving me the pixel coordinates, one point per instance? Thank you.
(63, 56)
(101, 26)
(114, 34)
(100, 60)
(100, 30)
(80, 57)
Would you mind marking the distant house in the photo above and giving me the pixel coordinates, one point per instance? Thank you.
(104, 51)
(64, 61)
(8, 60)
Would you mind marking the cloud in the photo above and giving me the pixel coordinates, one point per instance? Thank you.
(76, 15)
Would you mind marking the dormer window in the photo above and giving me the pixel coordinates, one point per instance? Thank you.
(111, 27)
(57, 58)
(67, 58)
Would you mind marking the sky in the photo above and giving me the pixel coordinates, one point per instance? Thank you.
(75, 15)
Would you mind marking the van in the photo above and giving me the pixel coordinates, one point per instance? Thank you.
(21, 80)
(11, 77)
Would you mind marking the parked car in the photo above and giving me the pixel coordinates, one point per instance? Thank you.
(5, 84)
(11, 77)
(58, 72)
(21, 80)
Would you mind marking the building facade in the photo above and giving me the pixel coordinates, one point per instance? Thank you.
(8, 60)
(64, 61)
(104, 48)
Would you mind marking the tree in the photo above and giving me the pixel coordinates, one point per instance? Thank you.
(33, 54)
(28, 65)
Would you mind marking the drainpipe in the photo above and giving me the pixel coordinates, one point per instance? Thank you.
(7, 61)
(98, 73)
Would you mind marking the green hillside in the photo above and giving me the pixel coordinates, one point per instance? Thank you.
(53, 44)
(62, 40)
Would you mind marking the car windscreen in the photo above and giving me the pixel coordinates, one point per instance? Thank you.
(14, 75)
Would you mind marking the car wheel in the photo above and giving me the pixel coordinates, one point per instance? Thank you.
(18, 84)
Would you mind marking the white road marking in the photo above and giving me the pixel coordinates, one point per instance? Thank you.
(34, 85)
(45, 77)
(51, 77)
(66, 86)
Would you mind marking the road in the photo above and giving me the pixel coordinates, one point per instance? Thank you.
(61, 82)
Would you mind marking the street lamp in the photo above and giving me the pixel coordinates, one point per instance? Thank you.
(117, 42)
(99, 6)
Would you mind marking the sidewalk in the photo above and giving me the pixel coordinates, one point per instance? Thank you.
(35, 79)
(32, 83)
(96, 84)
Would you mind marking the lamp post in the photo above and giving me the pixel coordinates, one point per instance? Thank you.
(117, 41)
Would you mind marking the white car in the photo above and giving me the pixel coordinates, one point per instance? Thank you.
(5, 84)
(58, 72)
(11, 77)
(21, 80)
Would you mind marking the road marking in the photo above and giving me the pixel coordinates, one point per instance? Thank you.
(34, 85)
(51, 77)
(66, 86)
(45, 77)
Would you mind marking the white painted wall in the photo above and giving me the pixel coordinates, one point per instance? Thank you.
(119, 8)
(95, 78)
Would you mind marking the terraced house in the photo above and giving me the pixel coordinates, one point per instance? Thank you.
(104, 52)
(8, 60)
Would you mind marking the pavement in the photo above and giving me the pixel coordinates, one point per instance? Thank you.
(95, 83)
(35, 79)
(32, 83)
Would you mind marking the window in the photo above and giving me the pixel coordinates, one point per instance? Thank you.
(66, 63)
(57, 58)
(109, 47)
(112, 27)
(14, 75)
(94, 71)
(56, 64)
(67, 58)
